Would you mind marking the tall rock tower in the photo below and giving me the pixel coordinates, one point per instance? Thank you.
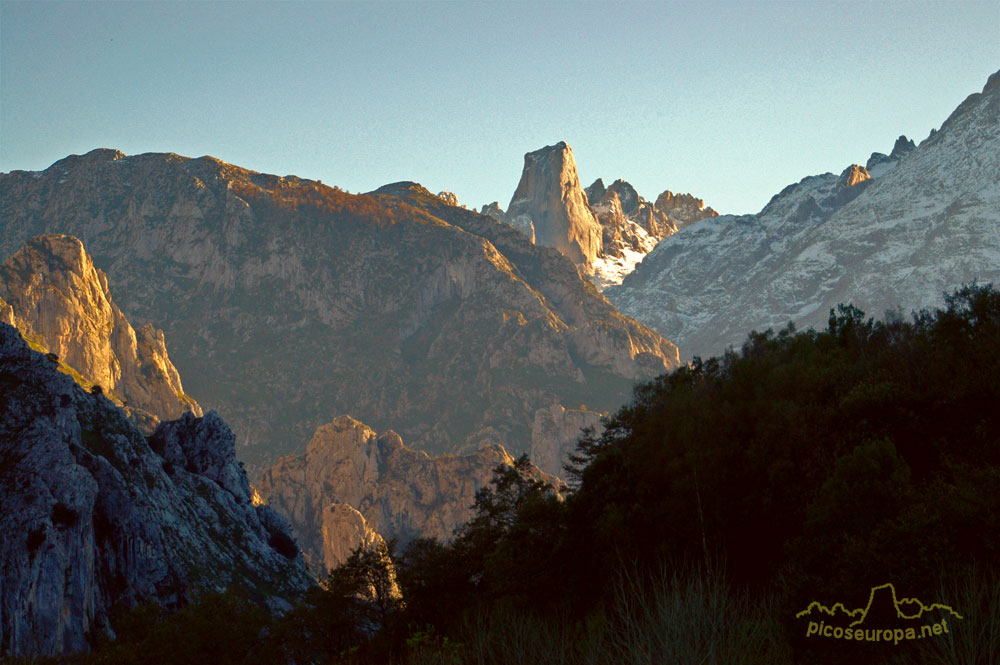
(550, 202)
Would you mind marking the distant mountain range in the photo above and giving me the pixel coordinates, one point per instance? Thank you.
(894, 234)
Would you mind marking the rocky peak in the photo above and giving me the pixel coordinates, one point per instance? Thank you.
(926, 227)
(629, 198)
(493, 210)
(205, 446)
(551, 199)
(395, 492)
(879, 163)
(902, 147)
(853, 175)
(684, 209)
(596, 191)
(451, 198)
(61, 303)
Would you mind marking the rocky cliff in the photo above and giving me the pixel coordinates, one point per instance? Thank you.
(285, 300)
(606, 231)
(550, 200)
(353, 486)
(96, 518)
(555, 433)
(61, 303)
(683, 209)
(898, 235)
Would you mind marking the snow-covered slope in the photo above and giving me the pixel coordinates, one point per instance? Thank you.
(925, 225)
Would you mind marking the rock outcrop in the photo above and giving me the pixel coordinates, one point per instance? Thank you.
(353, 486)
(61, 303)
(683, 209)
(343, 530)
(604, 230)
(285, 300)
(555, 433)
(496, 212)
(880, 163)
(96, 518)
(550, 199)
(897, 235)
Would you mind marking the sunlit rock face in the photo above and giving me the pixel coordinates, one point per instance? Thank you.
(897, 234)
(284, 301)
(604, 230)
(683, 209)
(354, 486)
(449, 197)
(61, 302)
(96, 518)
(343, 530)
(550, 198)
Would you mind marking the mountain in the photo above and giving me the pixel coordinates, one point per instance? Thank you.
(550, 206)
(61, 304)
(352, 486)
(919, 223)
(97, 518)
(603, 230)
(286, 301)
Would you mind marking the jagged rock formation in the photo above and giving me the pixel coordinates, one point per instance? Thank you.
(96, 518)
(550, 200)
(625, 242)
(604, 230)
(397, 492)
(61, 303)
(496, 212)
(449, 197)
(285, 300)
(880, 163)
(596, 191)
(555, 433)
(683, 209)
(899, 235)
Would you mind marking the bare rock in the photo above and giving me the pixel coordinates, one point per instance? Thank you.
(684, 209)
(95, 519)
(451, 198)
(550, 196)
(398, 492)
(344, 530)
(62, 303)
(493, 210)
(555, 433)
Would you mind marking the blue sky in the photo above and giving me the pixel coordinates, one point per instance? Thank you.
(730, 101)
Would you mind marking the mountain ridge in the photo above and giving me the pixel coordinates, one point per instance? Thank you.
(451, 332)
(920, 228)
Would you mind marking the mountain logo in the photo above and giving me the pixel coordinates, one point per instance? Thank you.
(885, 618)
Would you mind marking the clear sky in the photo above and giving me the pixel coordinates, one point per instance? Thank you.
(730, 101)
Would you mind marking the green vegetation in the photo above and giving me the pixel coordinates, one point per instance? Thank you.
(716, 505)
